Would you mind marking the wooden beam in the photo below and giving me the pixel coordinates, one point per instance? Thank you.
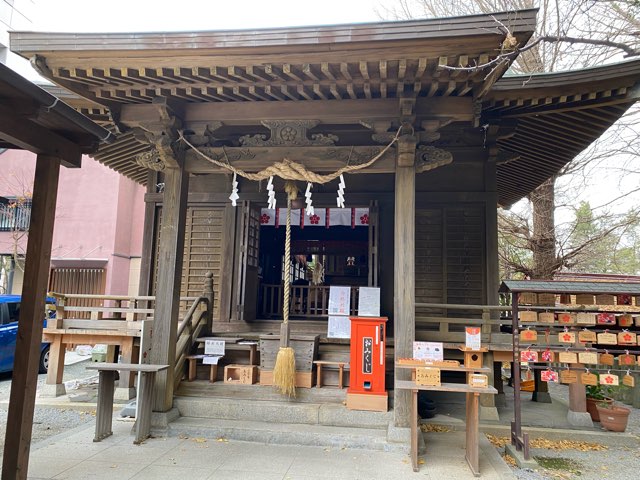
(404, 273)
(170, 253)
(328, 111)
(31, 136)
(29, 337)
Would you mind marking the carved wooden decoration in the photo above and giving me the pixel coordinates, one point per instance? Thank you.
(288, 132)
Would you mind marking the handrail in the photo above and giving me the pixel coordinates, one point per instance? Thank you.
(188, 316)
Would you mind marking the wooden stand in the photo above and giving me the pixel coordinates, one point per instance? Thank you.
(472, 395)
(104, 410)
(340, 365)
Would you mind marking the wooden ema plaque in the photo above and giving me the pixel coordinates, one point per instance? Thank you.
(528, 356)
(585, 299)
(546, 317)
(567, 337)
(606, 359)
(428, 376)
(605, 299)
(625, 320)
(566, 318)
(547, 356)
(606, 319)
(609, 379)
(627, 338)
(478, 380)
(528, 316)
(527, 298)
(588, 358)
(568, 357)
(528, 336)
(546, 299)
(623, 299)
(589, 379)
(587, 336)
(629, 381)
(568, 376)
(626, 360)
(607, 338)
(586, 318)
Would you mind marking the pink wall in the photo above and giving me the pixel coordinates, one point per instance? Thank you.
(99, 214)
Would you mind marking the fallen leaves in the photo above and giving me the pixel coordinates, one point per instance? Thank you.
(430, 427)
(500, 442)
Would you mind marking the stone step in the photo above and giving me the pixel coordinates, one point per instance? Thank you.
(269, 411)
(283, 433)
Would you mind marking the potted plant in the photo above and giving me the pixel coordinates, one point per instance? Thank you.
(597, 394)
(613, 417)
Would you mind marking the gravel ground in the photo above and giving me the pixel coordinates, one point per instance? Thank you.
(616, 462)
(47, 421)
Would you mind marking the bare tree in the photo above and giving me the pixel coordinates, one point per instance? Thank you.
(571, 34)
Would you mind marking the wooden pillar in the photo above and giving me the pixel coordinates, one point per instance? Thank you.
(148, 240)
(404, 270)
(29, 338)
(170, 254)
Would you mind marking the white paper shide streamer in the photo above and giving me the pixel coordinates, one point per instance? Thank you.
(271, 201)
(307, 195)
(341, 185)
(234, 191)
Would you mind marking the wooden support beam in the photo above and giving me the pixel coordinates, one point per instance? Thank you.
(404, 270)
(31, 136)
(165, 323)
(331, 111)
(27, 356)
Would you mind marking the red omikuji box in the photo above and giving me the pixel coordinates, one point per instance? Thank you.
(367, 367)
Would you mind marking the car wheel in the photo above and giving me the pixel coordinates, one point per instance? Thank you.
(44, 361)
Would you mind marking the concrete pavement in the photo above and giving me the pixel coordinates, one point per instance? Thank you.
(73, 456)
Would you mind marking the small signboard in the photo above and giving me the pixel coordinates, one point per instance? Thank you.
(214, 347)
(428, 376)
(430, 351)
(339, 300)
(472, 339)
(369, 302)
(367, 354)
(478, 380)
(211, 359)
(339, 327)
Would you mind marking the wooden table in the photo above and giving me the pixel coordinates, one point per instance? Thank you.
(231, 344)
(472, 402)
(106, 382)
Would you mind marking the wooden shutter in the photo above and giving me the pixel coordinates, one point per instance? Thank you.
(374, 238)
(248, 262)
(430, 285)
(202, 251)
(88, 281)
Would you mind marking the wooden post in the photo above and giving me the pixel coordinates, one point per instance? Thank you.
(404, 270)
(29, 338)
(148, 232)
(170, 253)
(208, 293)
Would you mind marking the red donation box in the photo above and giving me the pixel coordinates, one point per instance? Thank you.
(367, 368)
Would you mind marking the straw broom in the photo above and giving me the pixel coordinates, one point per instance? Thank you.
(284, 372)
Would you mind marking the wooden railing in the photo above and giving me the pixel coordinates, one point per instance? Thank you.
(442, 322)
(124, 314)
(307, 301)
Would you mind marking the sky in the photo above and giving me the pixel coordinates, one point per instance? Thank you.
(189, 15)
(194, 15)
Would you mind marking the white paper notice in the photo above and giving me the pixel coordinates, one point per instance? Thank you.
(430, 351)
(210, 360)
(369, 302)
(339, 300)
(472, 338)
(214, 347)
(339, 327)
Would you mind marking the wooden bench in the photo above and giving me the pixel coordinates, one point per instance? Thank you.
(106, 382)
(193, 359)
(340, 365)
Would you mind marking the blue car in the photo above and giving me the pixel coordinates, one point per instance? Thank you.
(9, 314)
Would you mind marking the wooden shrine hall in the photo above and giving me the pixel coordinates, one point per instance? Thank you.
(432, 150)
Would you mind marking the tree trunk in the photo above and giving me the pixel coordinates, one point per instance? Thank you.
(543, 238)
